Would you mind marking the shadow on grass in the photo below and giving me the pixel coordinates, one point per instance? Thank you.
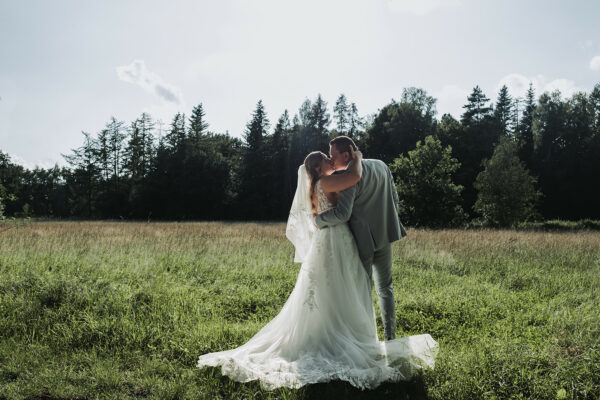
(413, 389)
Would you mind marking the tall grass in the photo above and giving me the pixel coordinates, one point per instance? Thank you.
(122, 310)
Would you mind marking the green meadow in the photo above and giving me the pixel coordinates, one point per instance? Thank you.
(122, 310)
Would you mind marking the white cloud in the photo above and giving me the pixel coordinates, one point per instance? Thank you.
(595, 63)
(566, 86)
(45, 163)
(586, 44)
(451, 98)
(518, 85)
(138, 74)
(420, 7)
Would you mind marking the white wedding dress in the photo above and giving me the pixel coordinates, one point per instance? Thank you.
(326, 330)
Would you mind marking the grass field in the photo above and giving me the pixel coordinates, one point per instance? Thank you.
(122, 310)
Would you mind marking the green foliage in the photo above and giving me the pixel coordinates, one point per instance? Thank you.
(185, 171)
(503, 111)
(474, 141)
(256, 172)
(507, 193)
(356, 124)
(549, 126)
(139, 151)
(281, 188)
(566, 148)
(524, 131)
(84, 178)
(348, 122)
(400, 125)
(477, 109)
(2, 195)
(175, 139)
(256, 130)
(341, 114)
(310, 129)
(198, 125)
(428, 197)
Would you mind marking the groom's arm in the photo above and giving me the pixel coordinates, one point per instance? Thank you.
(341, 213)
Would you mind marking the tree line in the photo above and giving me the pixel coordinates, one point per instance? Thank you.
(502, 162)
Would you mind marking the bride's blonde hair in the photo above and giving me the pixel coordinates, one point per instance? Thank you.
(311, 163)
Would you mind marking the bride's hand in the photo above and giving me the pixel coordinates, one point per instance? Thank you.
(356, 154)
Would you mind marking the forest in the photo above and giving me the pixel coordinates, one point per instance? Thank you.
(505, 161)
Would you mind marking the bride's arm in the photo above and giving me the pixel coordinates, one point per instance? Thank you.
(339, 182)
(340, 213)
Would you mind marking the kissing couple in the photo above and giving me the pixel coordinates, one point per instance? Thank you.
(342, 222)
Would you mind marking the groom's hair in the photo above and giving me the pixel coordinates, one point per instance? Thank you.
(343, 144)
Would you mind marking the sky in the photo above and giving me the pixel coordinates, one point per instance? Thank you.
(68, 66)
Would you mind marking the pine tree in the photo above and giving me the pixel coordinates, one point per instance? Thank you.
(515, 116)
(257, 128)
(278, 156)
(103, 149)
(356, 124)
(298, 147)
(254, 191)
(320, 120)
(549, 127)
(146, 127)
(198, 126)
(503, 111)
(139, 155)
(341, 114)
(113, 205)
(176, 137)
(479, 133)
(83, 181)
(133, 152)
(116, 136)
(477, 109)
(525, 132)
(303, 131)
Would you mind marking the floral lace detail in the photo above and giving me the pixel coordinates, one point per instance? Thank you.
(323, 205)
(323, 202)
(310, 299)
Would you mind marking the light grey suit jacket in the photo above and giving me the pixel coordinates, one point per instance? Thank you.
(370, 207)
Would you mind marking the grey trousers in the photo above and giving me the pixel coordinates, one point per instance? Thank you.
(379, 268)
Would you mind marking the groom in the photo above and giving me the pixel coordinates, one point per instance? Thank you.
(371, 207)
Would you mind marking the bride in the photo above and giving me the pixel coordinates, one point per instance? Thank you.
(326, 330)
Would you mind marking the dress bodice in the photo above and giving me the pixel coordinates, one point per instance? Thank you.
(323, 202)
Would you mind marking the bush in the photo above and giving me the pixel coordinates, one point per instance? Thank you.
(428, 196)
(507, 193)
